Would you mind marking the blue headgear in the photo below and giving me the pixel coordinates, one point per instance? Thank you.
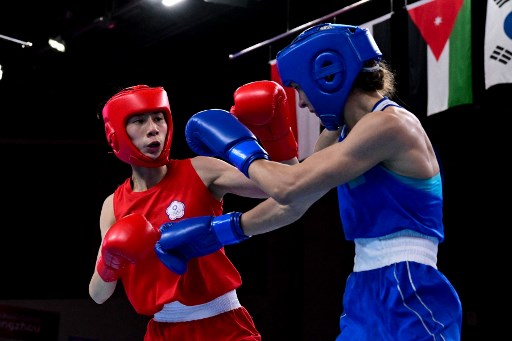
(324, 61)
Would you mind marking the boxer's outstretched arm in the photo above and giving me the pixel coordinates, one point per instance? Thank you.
(196, 237)
(200, 236)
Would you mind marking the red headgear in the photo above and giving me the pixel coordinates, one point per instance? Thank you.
(131, 101)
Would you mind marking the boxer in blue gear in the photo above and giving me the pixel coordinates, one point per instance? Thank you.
(324, 61)
(390, 190)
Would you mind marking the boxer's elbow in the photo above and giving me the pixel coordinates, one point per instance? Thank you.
(100, 292)
(97, 296)
(286, 191)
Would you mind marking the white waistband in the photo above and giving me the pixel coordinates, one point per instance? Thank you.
(177, 312)
(407, 245)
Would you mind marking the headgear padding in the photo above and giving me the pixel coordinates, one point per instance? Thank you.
(324, 61)
(140, 99)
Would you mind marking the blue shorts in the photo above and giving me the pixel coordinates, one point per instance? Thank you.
(400, 302)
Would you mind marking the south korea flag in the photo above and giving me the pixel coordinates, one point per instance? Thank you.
(498, 43)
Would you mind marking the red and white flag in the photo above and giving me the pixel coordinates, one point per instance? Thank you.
(305, 125)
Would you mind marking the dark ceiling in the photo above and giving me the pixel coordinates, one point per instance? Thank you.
(113, 44)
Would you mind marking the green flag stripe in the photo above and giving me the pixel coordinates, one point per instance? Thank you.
(460, 74)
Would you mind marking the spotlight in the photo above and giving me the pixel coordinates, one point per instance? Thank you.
(169, 3)
(57, 43)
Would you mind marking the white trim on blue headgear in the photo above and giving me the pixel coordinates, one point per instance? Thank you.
(324, 61)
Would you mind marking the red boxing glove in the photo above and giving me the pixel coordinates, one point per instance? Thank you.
(128, 240)
(262, 107)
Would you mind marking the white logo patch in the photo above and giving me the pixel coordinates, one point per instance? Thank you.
(175, 210)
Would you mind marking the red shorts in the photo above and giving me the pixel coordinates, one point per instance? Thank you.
(233, 325)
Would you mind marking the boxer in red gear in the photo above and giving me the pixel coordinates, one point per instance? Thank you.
(262, 107)
(201, 304)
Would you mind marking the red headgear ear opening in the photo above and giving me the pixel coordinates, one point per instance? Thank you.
(111, 137)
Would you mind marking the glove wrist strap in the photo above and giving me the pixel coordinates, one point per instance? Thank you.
(244, 153)
(228, 229)
(107, 273)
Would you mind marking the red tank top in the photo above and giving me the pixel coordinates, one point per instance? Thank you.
(149, 284)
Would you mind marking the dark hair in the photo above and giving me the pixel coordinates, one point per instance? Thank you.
(381, 80)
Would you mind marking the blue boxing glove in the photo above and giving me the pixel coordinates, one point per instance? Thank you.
(216, 132)
(195, 237)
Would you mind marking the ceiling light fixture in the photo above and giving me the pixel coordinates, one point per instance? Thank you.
(23, 43)
(57, 43)
(169, 3)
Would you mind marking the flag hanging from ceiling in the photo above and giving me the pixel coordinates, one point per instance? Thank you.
(305, 125)
(440, 66)
(498, 43)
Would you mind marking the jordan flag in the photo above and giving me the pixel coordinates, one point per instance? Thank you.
(498, 43)
(439, 54)
(305, 125)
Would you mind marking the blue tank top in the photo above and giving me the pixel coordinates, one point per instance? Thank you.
(381, 202)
